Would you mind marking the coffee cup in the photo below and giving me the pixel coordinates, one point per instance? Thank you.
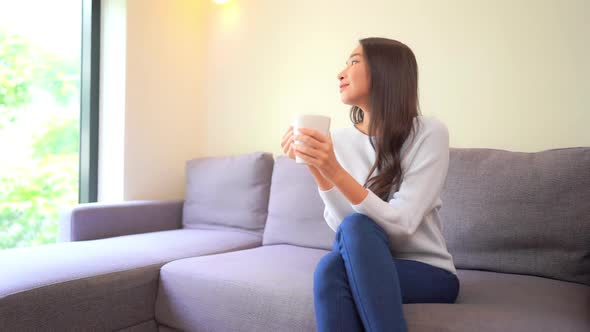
(320, 123)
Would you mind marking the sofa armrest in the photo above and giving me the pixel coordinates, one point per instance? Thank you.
(91, 221)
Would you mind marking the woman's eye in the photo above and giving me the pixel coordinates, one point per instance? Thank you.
(353, 61)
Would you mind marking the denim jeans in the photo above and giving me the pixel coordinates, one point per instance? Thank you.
(360, 286)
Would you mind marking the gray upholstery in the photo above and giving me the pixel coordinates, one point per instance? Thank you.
(519, 212)
(269, 288)
(229, 191)
(499, 302)
(93, 221)
(164, 328)
(100, 284)
(148, 326)
(295, 209)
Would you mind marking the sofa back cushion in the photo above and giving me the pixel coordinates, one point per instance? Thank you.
(295, 210)
(515, 212)
(228, 192)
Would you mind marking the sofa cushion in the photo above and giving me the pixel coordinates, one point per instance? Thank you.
(499, 302)
(265, 289)
(105, 284)
(228, 192)
(148, 326)
(295, 208)
(519, 212)
(270, 288)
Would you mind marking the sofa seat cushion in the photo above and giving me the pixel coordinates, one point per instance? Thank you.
(77, 284)
(490, 301)
(270, 288)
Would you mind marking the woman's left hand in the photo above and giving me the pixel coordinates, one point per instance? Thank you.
(318, 152)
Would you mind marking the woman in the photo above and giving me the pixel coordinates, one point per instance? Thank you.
(389, 248)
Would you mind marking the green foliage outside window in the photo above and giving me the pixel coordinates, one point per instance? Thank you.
(33, 193)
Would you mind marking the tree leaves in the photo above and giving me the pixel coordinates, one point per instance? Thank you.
(24, 66)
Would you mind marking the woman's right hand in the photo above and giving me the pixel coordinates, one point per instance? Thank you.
(322, 182)
(286, 143)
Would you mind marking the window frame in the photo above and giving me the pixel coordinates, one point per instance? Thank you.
(89, 102)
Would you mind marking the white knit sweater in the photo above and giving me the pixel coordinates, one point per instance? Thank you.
(410, 217)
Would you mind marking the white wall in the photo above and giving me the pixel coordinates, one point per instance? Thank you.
(112, 97)
(152, 103)
(502, 74)
(208, 80)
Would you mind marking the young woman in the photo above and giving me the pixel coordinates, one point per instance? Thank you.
(389, 248)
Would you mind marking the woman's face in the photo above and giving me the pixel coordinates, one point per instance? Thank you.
(354, 80)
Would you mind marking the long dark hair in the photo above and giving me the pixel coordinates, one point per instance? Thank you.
(393, 103)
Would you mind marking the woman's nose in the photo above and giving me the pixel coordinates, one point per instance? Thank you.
(340, 75)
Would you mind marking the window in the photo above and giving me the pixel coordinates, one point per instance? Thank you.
(48, 115)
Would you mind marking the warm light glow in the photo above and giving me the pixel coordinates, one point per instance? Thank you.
(229, 16)
(221, 2)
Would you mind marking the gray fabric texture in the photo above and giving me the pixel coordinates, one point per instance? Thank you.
(263, 289)
(270, 288)
(295, 209)
(498, 302)
(91, 221)
(149, 326)
(516, 212)
(75, 285)
(228, 191)
(107, 302)
(164, 328)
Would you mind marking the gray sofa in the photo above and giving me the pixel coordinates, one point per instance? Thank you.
(238, 253)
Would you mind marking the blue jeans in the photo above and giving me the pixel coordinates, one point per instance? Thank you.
(360, 286)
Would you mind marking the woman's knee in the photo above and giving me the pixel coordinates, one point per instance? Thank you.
(354, 221)
(358, 223)
(327, 270)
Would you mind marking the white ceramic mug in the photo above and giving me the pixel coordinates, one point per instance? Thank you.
(317, 122)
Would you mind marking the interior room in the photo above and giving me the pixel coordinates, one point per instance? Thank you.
(282, 166)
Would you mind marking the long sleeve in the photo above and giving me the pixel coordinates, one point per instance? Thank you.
(420, 188)
(336, 208)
